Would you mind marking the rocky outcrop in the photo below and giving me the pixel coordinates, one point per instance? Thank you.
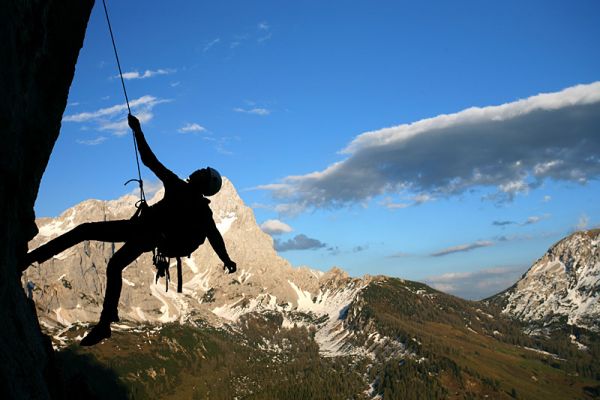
(561, 288)
(69, 287)
(40, 44)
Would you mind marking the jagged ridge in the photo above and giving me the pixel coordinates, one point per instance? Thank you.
(561, 288)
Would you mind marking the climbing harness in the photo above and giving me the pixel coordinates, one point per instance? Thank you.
(162, 263)
(140, 182)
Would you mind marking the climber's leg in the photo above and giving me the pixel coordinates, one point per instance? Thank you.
(106, 231)
(122, 258)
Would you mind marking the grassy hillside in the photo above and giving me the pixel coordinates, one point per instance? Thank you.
(260, 361)
(470, 353)
(457, 349)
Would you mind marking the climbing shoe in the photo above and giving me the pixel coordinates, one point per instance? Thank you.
(98, 332)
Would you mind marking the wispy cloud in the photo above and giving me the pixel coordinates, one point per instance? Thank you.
(211, 44)
(299, 242)
(221, 143)
(265, 30)
(191, 127)
(412, 201)
(254, 111)
(144, 101)
(264, 38)
(114, 118)
(476, 285)
(395, 206)
(462, 248)
(146, 74)
(511, 148)
(92, 142)
(398, 254)
(534, 219)
(275, 227)
(152, 190)
(518, 237)
(360, 248)
(503, 223)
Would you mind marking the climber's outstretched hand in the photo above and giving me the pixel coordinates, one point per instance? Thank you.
(231, 267)
(134, 123)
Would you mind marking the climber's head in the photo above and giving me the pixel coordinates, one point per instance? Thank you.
(207, 180)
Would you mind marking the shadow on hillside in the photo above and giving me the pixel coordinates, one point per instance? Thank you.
(83, 377)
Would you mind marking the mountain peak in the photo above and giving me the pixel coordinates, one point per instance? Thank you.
(562, 286)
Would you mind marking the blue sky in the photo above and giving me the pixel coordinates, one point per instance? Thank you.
(350, 127)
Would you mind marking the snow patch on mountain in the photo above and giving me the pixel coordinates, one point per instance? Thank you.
(264, 282)
(225, 222)
(233, 312)
(330, 305)
(562, 286)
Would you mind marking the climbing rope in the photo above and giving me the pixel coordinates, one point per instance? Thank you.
(137, 159)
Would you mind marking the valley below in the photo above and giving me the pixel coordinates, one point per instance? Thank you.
(273, 331)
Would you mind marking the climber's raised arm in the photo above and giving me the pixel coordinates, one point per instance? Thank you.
(217, 243)
(146, 154)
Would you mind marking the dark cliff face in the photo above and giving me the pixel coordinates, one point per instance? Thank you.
(40, 44)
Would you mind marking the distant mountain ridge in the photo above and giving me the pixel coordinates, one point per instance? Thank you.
(69, 288)
(366, 338)
(561, 288)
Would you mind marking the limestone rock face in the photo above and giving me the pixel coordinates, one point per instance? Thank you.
(40, 44)
(562, 287)
(69, 288)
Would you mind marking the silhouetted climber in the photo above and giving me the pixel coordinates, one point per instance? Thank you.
(30, 287)
(175, 226)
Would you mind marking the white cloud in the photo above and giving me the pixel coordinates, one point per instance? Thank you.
(114, 118)
(275, 227)
(547, 198)
(146, 74)
(503, 223)
(534, 219)
(414, 201)
(93, 142)
(396, 206)
(511, 148)
(476, 285)
(120, 127)
(191, 127)
(265, 30)
(399, 254)
(255, 111)
(462, 248)
(210, 44)
(151, 189)
(300, 242)
(263, 39)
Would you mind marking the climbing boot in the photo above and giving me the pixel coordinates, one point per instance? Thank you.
(97, 334)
